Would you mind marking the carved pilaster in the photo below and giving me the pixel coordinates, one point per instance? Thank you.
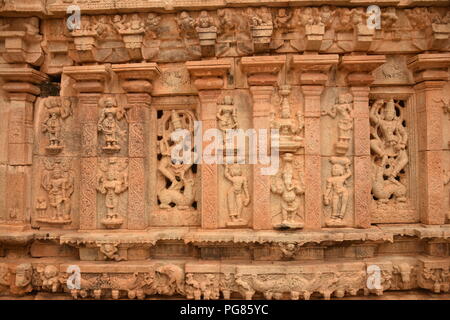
(430, 74)
(262, 77)
(89, 85)
(136, 80)
(21, 86)
(359, 79)
(313, 76)
(209, 79)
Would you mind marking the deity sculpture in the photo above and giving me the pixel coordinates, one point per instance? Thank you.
(336, 193)
(152, 24)
(227, 119)
(282, 19)
(289, 188)
(110, 251)
(57, 109)
(204, 20)
(112, 180)
(186, 24)
(238, 195)
(344, 109)
(108, 123)
(179, 189)
(227, 115)
(135, 24)
(50, 278)
(388, 144)
(58, 181)
(289, 129)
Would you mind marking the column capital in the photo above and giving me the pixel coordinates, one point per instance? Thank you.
(430, 67)
(137, 77)
(209, 74)
(263, 71)
(21, 83)
(314, 69)
(360, 68)
(89, 79)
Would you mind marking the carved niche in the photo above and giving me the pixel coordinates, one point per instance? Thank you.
(389, 148)
(176, 189)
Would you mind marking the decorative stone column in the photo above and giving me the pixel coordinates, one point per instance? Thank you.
(313, 71)
(90, 85)
(209, 79)
(262, 77)
(21, 86)
(136, 80)
(359, 79)
(430, 74)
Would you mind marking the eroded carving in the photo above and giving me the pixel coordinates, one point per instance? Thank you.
(58, 181)
(112, 181)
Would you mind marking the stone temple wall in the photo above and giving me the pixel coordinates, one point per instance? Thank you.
(92, 92)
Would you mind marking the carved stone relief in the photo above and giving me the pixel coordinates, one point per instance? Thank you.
(388, 145)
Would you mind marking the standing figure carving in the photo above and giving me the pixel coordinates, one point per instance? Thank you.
(112, 180)
(58, 182)
(108, 124)
(343, 109)
(336, 193)
(238, 195)
(57, 110)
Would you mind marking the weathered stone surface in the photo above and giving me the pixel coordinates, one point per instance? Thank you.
(337, 178)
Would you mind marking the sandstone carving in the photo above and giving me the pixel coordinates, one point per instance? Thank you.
(343, 109)
(58, 181)
(179, 191)
(112, 181)
(337, 194)
(108, 124)
(57, 110)
(238, 195)
(115, 122)
(290, 189)
(388, 144)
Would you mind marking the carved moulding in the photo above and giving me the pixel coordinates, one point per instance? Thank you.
(20, 41)
(162, 279)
